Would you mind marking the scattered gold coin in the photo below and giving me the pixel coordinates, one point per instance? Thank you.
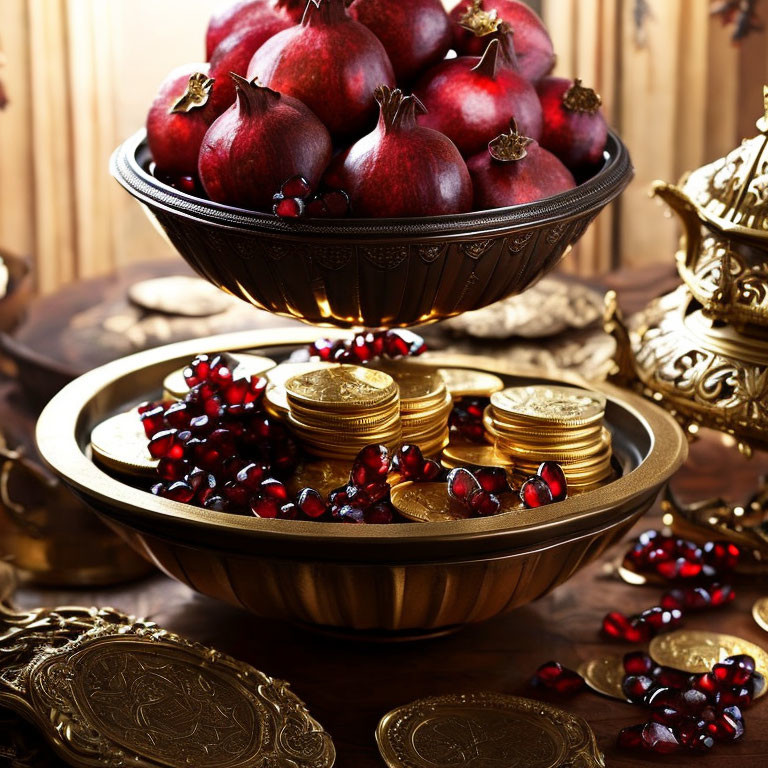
(180, 295)
(485, 729)
(323, 476)
(120, 443)
(695, 651)
(605, 675)
(466, 382)
(472, 455)
(760, 613)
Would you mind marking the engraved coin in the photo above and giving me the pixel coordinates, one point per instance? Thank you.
(696, 651)
(180, 295)
(416, 384)
(175, 385)
(484, 730)
(465, 382)
(345, 387)
(470, 455)
(323, 476)
(430, 503)
(120, 443)
(760, 613)
(605, 675)
(551, 404)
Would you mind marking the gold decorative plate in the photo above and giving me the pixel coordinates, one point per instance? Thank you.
(479, 730)
(106, 689)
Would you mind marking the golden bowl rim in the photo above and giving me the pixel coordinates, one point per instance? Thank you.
(61, 421)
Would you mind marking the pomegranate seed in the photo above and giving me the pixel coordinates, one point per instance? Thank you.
(178, 415)
(316, 208)
(493, 479)
(238, 494)
(274, 489)
(431, 472)
(672, 678)
(693, 701)
(179, 491)
(311, 503)
(660, 619)
(336, 203)
(322, 349)
(396, 345)
(265, 507)
(728, 725)
(721, 594)
(735, 670)
(251, 476)
(350, 514)
(296, 186)
(659, 738)
(379, 514)
(483, 504)
(637, 663)
(288, 512)
(635, 687)
(409, 462)
(288, 207)
(758, 683)
(631, 737)
(721, 555)
(461, 484)
(370, 466)
(153, 421)
(172, 470)
(739, 696)
(691, 735)
(705, 683)
(552, 474)
(216, 503)
(556, 677)
(166, 445)
(663, 697)
(620, 627)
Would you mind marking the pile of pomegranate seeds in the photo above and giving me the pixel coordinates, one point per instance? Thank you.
(295, 199)
(410, 464)
(548, 485)
(556, 677)
(466, 418)
(365, 347)
(479, 491)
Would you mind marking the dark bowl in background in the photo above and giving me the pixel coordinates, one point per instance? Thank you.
(372, 272)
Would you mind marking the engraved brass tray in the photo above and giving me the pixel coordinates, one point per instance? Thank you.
(372, 272)
(412, 578)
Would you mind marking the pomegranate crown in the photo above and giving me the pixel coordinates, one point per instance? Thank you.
(253, 98)
(511, 146)
(324, 12)
(398, 111)
(478, 21)
(580, 99)
(499, 54)
(196, 95)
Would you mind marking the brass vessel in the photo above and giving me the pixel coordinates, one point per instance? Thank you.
(398, 580)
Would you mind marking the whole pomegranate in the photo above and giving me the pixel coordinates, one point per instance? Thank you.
(401, 168)
(415, 34)
(478, 18)
(261, 141)
(330, 62)
(574, 127)
(516, 170)
(471, 100)
(178, 119)
(266, 15)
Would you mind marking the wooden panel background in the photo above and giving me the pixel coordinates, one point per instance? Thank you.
(81, 73)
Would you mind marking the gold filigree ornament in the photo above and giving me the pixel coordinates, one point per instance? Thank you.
(479, 21)
(723, 255)
(106, 689)
(485, 729)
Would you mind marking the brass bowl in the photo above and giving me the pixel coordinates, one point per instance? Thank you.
(372, 272)
(410, 579)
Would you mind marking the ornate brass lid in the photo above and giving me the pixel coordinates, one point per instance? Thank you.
(703, 372)
(732, 192)
(107, 689)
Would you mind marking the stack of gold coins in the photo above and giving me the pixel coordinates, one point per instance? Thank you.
(275, 396)
(336, 412)
(529, 425)
(425, 405)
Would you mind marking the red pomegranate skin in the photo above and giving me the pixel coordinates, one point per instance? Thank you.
(262, 140)
(416, 34)
(330, 62)
(402, 169)
(274, 15)
(234, 54)
(175, 137)
(577, 138)
(532, 42)
(471, 106)
(536, 176)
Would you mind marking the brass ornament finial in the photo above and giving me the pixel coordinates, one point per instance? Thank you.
(197, 94)
(479, 21)
(509, 146)
(580, 99)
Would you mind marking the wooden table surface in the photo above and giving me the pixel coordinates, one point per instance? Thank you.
(349, 685)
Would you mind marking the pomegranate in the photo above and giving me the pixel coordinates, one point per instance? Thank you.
(330, 62)
(516, 170)
(416, 34)
(478, 18)
(179, 118)
(262, 140)
(574, 127)
(274, 15)
(470, 100)
(402, 168)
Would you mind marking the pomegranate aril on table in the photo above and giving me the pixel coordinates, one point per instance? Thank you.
(556, 677)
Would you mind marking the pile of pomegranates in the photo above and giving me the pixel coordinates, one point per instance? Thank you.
(375, 108)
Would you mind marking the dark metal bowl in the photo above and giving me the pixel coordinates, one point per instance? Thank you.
(372, 272)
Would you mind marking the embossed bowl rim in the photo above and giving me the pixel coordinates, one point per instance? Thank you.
(63, 429)
(130, 160)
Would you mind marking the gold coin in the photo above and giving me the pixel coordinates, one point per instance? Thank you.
(323, 476)
(760, 613)
(278, 375)
(545, 404)
(355, 422)
(430, 503)
(176, 388)
(415, 384)
(276, 401)
(345, 387)
(466, 382)
(470, 455)
(120, 443)
(605, 675)
(696, 652)
(496, 423)
(180, 295)
(481, 730)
